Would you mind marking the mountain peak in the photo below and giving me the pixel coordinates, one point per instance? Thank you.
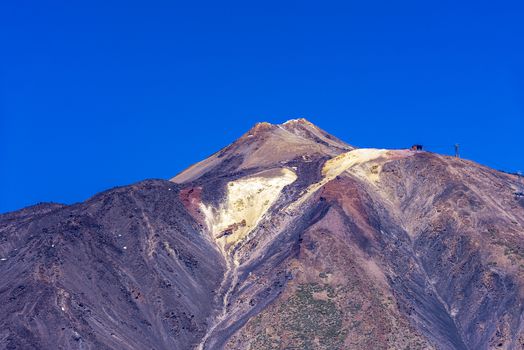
(289, 125)
(260, 127)
(266, 145)
(300, 121)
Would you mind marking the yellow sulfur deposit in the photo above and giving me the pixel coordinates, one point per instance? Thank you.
(247, 200)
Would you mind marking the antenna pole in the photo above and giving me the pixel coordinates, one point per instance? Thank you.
(457, 154)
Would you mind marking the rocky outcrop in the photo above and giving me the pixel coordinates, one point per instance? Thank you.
(127, 269)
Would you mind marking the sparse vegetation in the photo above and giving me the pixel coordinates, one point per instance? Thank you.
(312, 323)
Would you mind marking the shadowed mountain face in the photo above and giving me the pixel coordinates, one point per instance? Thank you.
(287, 239)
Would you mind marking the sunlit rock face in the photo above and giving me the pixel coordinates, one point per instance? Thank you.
(247, 201)
(288, 238)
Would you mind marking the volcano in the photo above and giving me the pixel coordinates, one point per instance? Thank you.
(288, 238)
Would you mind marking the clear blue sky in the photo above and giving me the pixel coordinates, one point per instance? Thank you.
(106, 93)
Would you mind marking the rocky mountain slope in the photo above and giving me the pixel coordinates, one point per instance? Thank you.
(287, 239)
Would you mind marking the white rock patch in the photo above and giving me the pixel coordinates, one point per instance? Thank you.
(246, 202)
(339, 164)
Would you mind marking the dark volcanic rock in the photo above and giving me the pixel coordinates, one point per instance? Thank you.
(127, 269)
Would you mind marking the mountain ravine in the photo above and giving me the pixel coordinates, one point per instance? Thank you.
(289, 238)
